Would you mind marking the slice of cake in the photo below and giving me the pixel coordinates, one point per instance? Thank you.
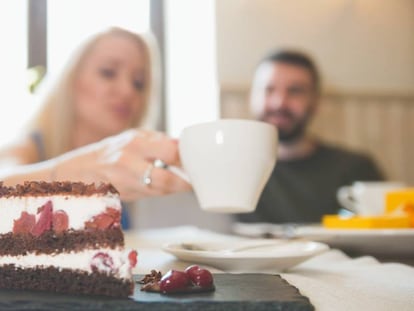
(64, 237)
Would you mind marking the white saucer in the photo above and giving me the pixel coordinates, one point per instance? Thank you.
(277, 258)
(384, 243)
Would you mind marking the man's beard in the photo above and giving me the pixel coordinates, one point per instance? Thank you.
(293, 134)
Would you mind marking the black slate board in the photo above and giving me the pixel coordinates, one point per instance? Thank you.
(233, 292)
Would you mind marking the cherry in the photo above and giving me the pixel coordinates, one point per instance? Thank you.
(25, 223)
(199, 276)
(174, 281)
(102, 262)
(44, 222)
(109, 219)
(60, 221)
(132, 257)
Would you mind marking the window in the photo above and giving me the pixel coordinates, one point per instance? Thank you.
(71, 22)
(13, 61)
(191, 66)
(68, 23)
(189, 52)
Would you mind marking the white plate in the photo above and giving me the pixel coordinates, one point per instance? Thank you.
(278, 258)
(384, 243)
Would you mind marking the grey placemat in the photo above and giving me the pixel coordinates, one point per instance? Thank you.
(233, 292)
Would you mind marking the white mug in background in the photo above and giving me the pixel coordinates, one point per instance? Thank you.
(228, 162)
(366, 198)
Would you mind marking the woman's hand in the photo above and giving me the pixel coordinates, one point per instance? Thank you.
(125, 160)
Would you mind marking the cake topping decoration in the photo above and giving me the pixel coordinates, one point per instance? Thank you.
(42, 188)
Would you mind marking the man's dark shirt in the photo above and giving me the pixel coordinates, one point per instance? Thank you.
(302, 190)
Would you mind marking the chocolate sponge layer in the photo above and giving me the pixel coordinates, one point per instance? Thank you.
(64, 281)
(50, 242)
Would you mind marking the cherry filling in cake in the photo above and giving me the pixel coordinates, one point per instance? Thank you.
(64, 237)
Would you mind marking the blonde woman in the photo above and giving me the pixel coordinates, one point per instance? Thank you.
(88, 127)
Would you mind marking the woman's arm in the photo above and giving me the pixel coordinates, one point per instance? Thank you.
(121, 160)
(19, 162)
(20, 152)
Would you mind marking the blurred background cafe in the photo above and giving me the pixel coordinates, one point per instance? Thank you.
(207, 52)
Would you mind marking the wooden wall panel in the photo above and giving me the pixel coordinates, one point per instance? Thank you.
(381, 125)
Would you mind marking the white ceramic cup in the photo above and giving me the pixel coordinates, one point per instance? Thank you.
(228, 162)
(366, 198)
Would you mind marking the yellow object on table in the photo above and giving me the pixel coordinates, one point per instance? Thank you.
(387, 221)
(402, 202)
(399, 213)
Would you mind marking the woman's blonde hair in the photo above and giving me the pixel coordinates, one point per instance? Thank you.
(55, 119)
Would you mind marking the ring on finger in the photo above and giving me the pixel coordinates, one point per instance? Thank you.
(146, 177)
(158, 163)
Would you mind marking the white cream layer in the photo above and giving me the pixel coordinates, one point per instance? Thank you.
(74, 261)
(78, 208)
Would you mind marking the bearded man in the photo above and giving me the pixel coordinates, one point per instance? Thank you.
(308, 172)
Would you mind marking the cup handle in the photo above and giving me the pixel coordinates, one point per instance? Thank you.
(346, 199)
(179, 172)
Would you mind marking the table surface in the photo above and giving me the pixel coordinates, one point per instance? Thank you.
(328, 279)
